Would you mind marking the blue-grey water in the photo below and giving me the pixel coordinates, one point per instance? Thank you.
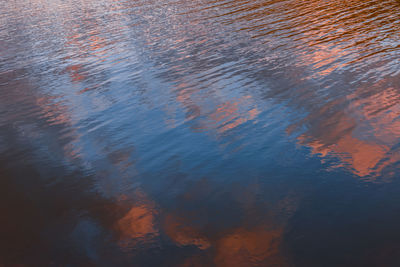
(199, 133)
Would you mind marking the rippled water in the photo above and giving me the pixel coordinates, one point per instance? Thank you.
(199, 133)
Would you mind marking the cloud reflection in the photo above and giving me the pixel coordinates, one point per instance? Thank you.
(363, 135)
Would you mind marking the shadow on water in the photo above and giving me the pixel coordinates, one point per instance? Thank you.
(199, 133)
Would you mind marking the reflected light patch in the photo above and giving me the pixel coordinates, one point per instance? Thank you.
(138, 224)
(183, 234)
(243, 247)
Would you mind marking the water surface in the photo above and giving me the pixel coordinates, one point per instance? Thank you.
(199, 133)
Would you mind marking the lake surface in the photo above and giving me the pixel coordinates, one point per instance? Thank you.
(199, 133)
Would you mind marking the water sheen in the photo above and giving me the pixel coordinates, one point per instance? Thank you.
(199, 133)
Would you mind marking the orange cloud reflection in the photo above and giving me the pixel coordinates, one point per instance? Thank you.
(183, 234)
(256, 247)
(212, 113)
(137, 225)
(363, 135)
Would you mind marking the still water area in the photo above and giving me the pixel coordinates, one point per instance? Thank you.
(199, 133)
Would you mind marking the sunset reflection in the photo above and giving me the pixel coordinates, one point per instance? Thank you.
(362, 137)
(199, 133)
(257, 247)
(183, 234)
(210, 113)
(138, 224)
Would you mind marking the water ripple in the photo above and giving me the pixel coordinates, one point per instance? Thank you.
(198, 133)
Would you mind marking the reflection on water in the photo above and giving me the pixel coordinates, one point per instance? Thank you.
(199, 133)
(363, 135)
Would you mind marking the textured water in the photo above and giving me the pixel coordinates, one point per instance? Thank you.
(199, 133)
